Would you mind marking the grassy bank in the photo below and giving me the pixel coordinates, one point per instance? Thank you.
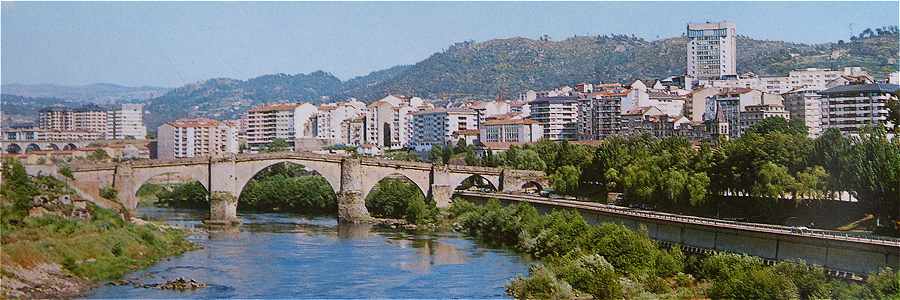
(610, 261)
(55, 248)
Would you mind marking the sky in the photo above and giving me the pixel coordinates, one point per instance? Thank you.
(172, 44)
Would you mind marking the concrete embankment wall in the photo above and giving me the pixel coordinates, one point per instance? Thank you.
(834, 254)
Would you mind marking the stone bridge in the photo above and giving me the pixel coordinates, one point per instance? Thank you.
(351, 178)
(22, 146)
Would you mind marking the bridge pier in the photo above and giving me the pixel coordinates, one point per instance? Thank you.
(350, 198)
(125, 188)
(223, 191)
(441, 190)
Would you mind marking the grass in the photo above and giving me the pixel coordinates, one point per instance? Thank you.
(102, 248)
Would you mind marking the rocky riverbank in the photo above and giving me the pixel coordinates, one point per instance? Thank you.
(56, 246)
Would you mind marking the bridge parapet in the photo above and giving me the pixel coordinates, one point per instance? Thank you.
(474, 170)
(291, 155)
(395, 163)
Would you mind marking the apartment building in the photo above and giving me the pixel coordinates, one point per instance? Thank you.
(389, 120)
(200, 137)
(600, 114)
(287, 121)
(330, 120)
(753, 114)
(732, 103)
(513, 131)
(851, 107)
(804, 105)
(439, 126)
(126, 122)
(711, 50)
(558, 116)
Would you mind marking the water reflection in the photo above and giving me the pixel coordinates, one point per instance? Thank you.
(290, 256)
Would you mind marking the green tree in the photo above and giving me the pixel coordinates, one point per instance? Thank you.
(277, 145)
(184, 195)
(778, 124)
(66, 171)
(565, 180)
(392, 198)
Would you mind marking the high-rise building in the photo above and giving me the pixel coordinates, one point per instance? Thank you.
(126, 122)
(438, 126)
(558, 115)
(711, 50)
(287, 121)
(853, 106)
(197, 138)
(600, 114)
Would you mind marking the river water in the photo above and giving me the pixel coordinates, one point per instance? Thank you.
(291, 256)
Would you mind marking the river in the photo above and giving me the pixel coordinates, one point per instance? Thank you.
(290, 256)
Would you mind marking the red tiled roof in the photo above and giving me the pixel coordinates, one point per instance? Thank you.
(275, 107)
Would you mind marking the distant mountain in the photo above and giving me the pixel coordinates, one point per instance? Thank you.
(18, 109)
(513, 65)
(93, 93)
(226, 98)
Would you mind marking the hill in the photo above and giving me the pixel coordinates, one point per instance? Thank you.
(100, 93)
(19, 109)
(513, 65)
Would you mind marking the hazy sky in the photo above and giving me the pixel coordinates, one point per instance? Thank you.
(170, 44)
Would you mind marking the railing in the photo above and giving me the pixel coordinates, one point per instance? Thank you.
(652, 215)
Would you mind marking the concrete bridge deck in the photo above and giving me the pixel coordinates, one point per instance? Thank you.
(857, 255)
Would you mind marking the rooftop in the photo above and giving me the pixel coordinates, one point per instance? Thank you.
(872, 87)
(275, 107)
(510, 122)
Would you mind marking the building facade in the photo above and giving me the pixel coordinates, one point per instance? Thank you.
(513, 131)
(389, 121)
(186, 138)
(711, 50)
(126, 122)
(439, 126)
(287, 121)
(849, 108)
(332, 119)
(804, 105)
(558, 116)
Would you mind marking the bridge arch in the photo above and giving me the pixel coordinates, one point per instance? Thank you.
(477, 181)
(532, 187)
(70, 146)
(246, 170)
(140, 176)
(32, 147)
(13, 148)
(53, 147)
(374, 175)
(166, 179)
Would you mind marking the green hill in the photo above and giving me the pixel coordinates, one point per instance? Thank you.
(513, 65)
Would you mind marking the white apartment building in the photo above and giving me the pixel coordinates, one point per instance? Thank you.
(513, 131)
(558, 116)
(196, 138)
(126, 122)
(439, 126)
(804, 105)
(851, 107)
(287, 121)
(331, 118)
(810, 79)
(389, 121)
(753, 114)
(711, 50)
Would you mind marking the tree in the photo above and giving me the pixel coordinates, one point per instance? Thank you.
(66, 171)
(523, 159)
(277, 145)
(98, 155)
(565, 180)
(893, 106)
(778, 124)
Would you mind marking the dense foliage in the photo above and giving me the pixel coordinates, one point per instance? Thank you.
(100, 248)
(398, 198)
(182, 195)
(289, 188)
(610, 261)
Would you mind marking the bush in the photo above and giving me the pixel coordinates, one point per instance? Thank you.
(108, 192)
(541, 283)
(281, 192)
(400, 199)
(185, 195)
(755, 283)
(590, 274)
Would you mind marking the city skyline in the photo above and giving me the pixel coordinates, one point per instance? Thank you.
(173, 44)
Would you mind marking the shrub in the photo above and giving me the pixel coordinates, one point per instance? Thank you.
(390, 198)
(108, 192)
(754, 283)
(590, 274)
(541, 283)
(811, 281)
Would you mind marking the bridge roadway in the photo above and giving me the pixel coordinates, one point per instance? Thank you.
(845, 255)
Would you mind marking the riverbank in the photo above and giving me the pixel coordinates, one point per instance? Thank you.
(54, 246)
(610, 261)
